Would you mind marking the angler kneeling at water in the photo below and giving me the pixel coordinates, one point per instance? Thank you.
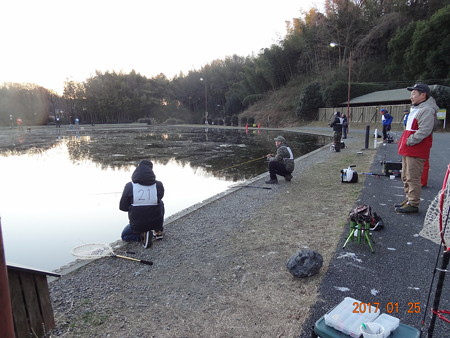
(282, 163)
(142, 198)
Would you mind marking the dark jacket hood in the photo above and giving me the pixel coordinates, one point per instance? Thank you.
(143, 174)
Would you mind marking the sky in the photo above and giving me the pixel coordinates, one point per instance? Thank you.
(47, 42)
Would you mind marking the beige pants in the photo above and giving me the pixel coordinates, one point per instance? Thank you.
(412, 168)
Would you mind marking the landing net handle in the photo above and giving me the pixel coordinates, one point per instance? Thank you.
(436, 312)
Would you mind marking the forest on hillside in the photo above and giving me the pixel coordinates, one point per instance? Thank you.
(378, 44)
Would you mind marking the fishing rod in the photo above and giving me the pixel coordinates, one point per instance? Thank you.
(372, 174)
(236, 165)
(393, 173)
(251, 186)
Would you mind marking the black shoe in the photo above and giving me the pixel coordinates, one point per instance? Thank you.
(158, 235)
(288, 177)
(401, 204)
(407, 209)
(147, 239)
(272, 182)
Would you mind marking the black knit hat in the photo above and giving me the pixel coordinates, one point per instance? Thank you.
(146, 162)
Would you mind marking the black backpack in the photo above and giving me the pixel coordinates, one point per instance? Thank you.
(363, 213)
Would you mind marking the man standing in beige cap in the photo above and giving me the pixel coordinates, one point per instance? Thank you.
(415, 145)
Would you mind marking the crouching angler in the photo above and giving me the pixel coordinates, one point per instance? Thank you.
(142, 199)
(282, 163)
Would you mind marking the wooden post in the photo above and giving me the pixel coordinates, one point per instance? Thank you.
(6, 318)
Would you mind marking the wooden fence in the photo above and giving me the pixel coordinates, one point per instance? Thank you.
(367, 114)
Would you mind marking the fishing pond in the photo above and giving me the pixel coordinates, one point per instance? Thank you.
(60, 187)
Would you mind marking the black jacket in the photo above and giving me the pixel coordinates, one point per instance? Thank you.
(336, 124)
(147, 217)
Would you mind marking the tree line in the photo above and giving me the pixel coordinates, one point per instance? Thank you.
(380, 44)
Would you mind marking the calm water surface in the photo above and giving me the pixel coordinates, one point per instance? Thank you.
(61, 188)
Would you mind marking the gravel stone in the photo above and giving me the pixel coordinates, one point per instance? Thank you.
(305, 263)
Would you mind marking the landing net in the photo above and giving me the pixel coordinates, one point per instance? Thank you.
(92, 251)
(436, 227)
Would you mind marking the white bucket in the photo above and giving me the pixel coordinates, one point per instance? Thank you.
(372, 330)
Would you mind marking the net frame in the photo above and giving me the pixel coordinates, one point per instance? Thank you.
(436, 219)
(435, 229)
(92, 251)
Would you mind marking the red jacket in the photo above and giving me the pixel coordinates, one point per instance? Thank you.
(417, 138)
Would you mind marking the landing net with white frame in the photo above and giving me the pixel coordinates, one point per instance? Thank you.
(92, 251)
(434, 227)
(95, 250)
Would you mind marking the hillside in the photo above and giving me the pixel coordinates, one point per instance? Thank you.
(277, 108)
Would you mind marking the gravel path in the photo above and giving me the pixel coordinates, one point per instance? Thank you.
(399, 274)
(221, 269)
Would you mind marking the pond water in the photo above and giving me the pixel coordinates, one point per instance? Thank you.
(60, 188)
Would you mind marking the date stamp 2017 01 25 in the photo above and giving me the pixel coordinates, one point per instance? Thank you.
(390, 307)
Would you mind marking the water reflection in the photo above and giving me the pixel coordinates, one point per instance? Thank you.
(60, 190)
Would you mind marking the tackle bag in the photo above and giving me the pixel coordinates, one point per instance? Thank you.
(363, 213)
(349, 175)
(392, 168)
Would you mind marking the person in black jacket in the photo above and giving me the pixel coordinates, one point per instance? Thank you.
(142, 199)
(344, 126)
(337, 128)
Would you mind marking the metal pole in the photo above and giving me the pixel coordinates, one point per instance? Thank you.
(367, 137)
(206, 100)
(349, 85)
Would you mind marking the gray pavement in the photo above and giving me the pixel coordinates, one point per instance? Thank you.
(402, 267)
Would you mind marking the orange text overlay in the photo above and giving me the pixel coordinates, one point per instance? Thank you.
(390, 307)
